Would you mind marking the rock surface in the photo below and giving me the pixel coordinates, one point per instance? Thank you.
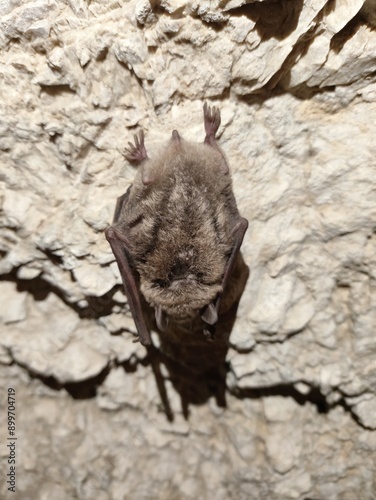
(296, 85)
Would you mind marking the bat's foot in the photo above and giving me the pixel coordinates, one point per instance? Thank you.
(136, 153)
(212, 121)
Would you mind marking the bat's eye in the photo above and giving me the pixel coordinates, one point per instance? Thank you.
(160, 283)
(200, 276)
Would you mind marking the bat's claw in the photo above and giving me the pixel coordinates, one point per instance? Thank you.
(136, 153)
(212, 121)
(209, 333)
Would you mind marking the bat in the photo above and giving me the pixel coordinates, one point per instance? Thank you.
(177, 232)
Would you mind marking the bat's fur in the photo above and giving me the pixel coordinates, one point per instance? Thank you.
(179, 227)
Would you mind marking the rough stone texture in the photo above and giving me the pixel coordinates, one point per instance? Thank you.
(296, 85)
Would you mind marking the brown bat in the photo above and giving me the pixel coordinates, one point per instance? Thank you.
(177, 231)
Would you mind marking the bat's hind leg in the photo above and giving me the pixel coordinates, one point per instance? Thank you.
(212, 121)
(136, 153)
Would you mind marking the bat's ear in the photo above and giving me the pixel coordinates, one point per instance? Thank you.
(209, 314)
(176, 136)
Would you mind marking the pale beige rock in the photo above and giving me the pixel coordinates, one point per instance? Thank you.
(119, 390)
(233, 4)
(94, 283)
(350, 64)
(282, 305)
(255, 68)
(278, 409)
(13, 304)
(78, 361)
(364, 408)
(118, 322)
(296, 85)
(318, 51)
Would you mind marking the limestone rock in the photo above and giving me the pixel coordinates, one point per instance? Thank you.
(13, 304)
(290, 413)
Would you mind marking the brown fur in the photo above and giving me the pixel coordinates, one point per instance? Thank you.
(176, 235)
(179, 226)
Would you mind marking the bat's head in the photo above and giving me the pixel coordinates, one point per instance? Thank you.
(180, 282)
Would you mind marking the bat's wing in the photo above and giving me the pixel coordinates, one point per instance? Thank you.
(211, 311)
(120, 202)
(238, 235)
(120, 247)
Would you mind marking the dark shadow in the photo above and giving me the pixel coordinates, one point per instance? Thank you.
(346, 33)
(40, 288)
(196, 366)
(84, 389)
(274, 18)
(55, 90)
(197, 375)
(101, 56)
(314, 396)
(282, 76)
(87, 389)
(368, 15)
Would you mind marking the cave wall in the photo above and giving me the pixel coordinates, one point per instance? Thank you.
(296, 85)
